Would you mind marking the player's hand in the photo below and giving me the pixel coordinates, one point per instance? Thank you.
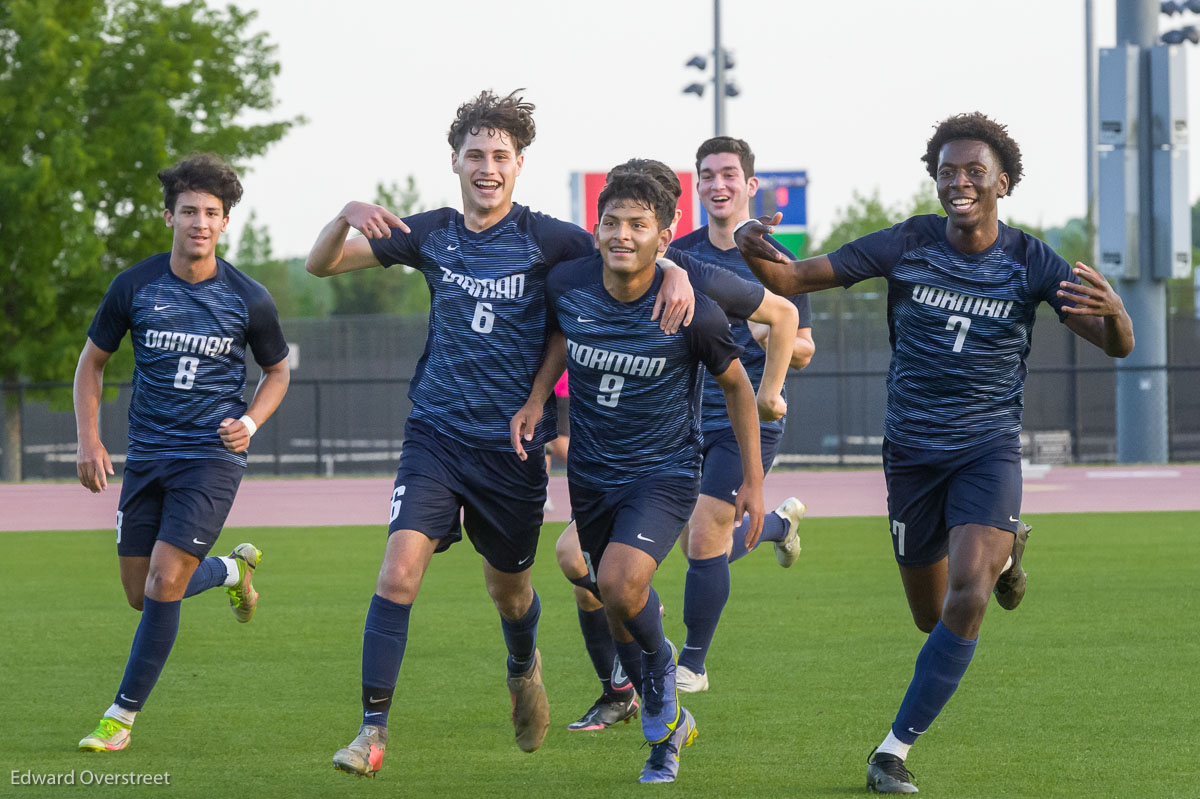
(771, 408)
(751, 244)
(93, 466)
(373, 221)
(676, 300)
(1098, 299)
(521, 427)
(235, 436)
(750, 501)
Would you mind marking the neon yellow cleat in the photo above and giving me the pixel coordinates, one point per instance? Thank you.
(242, 596)
(110, 736)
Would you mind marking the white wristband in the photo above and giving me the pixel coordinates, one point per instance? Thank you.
(738, 226)
(251, 426)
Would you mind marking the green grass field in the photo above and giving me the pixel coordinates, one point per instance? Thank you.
(1091, 688)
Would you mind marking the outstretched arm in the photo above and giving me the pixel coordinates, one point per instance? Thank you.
(523, 423)
(780, 317)
(1098, 315)
(773, 268)
(739, 404)
(235, 433)
(333, 254)
(92, 463)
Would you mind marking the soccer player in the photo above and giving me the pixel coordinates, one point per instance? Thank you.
(726, 184)
(962, 291)
(486, 269)
(740, 299)
(191, 316)
(633, 468)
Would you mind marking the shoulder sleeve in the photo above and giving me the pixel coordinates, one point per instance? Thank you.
(710, 338)
(734, 295)
(1045, 269)
(263, 333)
(405, 248)
(560, 241)
(112, 318)
(873, 255)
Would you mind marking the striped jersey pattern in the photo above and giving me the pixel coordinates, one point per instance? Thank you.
(960, 327)
(635, 391)
(189, 347)
(487, 318)
(713, 413)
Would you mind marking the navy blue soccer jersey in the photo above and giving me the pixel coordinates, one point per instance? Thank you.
(487, 317)
(960, 327)
(713, 412)
(635, 391)
(189, 350)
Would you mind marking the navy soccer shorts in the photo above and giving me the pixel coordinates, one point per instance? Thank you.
(183, 501)
(647, 514)
(499, 496)
(722, 471)
(931, 491)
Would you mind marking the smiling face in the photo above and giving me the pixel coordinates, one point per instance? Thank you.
(969, 183)
(724, 189)
(197, 223)
(487, 165)
(629, 237)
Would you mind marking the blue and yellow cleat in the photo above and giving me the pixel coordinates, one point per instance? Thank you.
(242, 596)
(110, 736)
(660, 701)
(663, 763)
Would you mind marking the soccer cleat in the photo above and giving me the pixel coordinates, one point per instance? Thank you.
(689, 682)
(1010, 585)
(660, 701)
(242, 596)
(531, 708)
(364, 755)
(109, 736)
(791, 511)
(663, 763)
(610, 708)
(887, 774)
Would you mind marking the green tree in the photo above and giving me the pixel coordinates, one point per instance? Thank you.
(296, 295)
(399, 290)
(95, 98)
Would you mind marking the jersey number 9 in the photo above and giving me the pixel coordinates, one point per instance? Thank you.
(610, 390)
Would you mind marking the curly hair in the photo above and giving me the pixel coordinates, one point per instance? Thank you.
(977, 127)
(204, 172)
(727, 144)
(510, 115)
(642, 189)
(662, 173)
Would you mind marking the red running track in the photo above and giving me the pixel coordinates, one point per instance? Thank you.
(336, 501)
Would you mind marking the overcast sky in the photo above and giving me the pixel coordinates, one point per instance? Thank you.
(847, 89)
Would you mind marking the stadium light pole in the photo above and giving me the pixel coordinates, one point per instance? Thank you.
(721, 63)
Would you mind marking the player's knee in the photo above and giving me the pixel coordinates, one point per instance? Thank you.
(618, 595)
(398, 583)
(925, 621)
(586, 600)
(136, 601)
(570, 557)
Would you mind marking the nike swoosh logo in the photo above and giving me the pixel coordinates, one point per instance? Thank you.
(522, 560)
(375, 701)
(643, 538)
(198, 541)
(733, 492)
(161, 307)
(127, 699)
(448, 247)
(374, 713)
(585, 321)
(1014, 521)
(917, 732)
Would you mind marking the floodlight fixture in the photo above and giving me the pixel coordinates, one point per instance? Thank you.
(698, 61)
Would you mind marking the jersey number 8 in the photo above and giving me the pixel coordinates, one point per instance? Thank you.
(186, 376)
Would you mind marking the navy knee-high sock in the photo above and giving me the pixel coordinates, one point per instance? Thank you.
(775, 528)
(385, 635)
(599, 643)
(705, 591)
(521, 637)
(209, 574)
(151, 645)
(940, 666)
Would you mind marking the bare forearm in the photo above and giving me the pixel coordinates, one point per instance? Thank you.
(269, 394)
(326, 253)
(779, 347)
(1118, 335)
(89, 382)
(804, 348)
(551, 369)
